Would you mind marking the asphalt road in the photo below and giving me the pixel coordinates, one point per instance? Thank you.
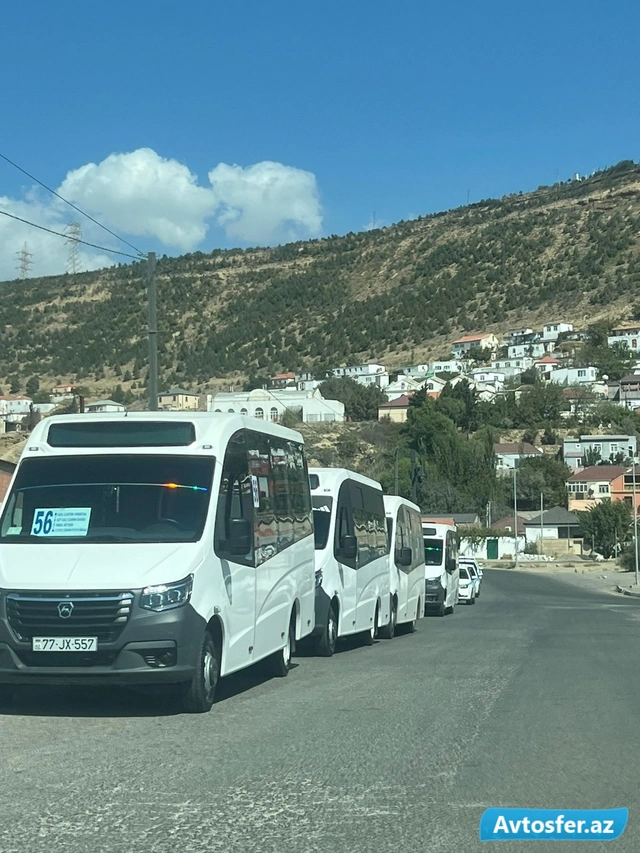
(529, 698)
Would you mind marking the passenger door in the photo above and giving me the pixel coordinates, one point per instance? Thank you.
(347, 566)
(273, 534)
(234, 589)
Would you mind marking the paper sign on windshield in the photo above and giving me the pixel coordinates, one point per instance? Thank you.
(61, 521)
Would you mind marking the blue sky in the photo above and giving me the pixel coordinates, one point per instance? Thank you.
(398, 108)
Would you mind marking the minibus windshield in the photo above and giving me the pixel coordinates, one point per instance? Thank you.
(433, 552)
(109, 498)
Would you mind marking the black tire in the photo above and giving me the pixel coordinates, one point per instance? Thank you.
(279, 663)
(371, 635)
(387, 632)
(199, 694)
(471, 600)
(441, 611)
(325, 645)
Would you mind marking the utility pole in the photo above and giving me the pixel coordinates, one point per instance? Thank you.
(24, 262)
(515, 516)
(74, 235)
(541, 521)
(414, 478)
(153, 332)
(396, 490)
(635, 519)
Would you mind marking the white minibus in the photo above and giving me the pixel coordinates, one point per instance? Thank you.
(155, 549)
(406, 565)
(352, 557)
(441, 567)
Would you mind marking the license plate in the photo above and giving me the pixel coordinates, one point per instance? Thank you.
(65, 644)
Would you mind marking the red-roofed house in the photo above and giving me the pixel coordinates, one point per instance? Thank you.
(592, 485)
(469, 342)
(283, 380)
(395, 410)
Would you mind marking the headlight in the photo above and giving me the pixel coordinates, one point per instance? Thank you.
(167, 596)
(319, 577)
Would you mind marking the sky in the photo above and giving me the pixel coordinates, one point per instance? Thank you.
(199, 124)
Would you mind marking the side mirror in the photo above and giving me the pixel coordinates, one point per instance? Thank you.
(349, 547)
(451, 565)
(404, 557)
(240, 535)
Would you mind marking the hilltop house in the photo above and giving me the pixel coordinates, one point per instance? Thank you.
(395, 410)
(177, 399)
(573, 375)
(510, 455)
(552, 331)
(626, 336)
(263, 404)
(628, 391)
(402, 385)
(590, 486)
(283, 380)
(365, 374)
(534, 349)
(105, 406)
(512, 366)
(557, 531)
(447, 366)
(470, 342)
(606, 448)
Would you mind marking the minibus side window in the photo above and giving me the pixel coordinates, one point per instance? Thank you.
(235, 503)
(403, 538)
(417, 543)
(344, 525)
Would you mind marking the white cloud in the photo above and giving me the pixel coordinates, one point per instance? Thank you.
(267, 202)
(141, 194)
(145, 195)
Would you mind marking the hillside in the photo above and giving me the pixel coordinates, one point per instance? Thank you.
(398, 294)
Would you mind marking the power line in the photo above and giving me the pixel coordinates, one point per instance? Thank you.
(66, 236)
(75, 207)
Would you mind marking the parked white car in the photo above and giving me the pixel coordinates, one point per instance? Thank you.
(475, 571)
(466, 586)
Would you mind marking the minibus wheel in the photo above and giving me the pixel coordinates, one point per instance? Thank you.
(372, 633)
(200, 693)
(326, 644)
(279, 663)
(387, 632)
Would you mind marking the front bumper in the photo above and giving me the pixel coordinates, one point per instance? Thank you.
(466, 593)
(433, 597)
(147, 635)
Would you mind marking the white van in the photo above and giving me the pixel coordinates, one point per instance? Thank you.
(406, 565)
(441, 567)
(155, 549)
(352, 557)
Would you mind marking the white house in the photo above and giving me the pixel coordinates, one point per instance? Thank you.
(512, 366)
(469, 342)
(13, 409)
(263, 404)
(306, 382)
(626, 336)
(433, 385)
(449, 366)
(536, 349)
(365, 374)
(416, 370)
(552, 331)
(573, 375)
(517, 335)
(402, 385)
(105, 406)
(509, 455)
(487, 376)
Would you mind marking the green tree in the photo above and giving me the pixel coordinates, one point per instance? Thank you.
(118, 395)
(14, 383)
(33, 386)
(542, 475)
(360, 402)
(606, 526)
(541, 404)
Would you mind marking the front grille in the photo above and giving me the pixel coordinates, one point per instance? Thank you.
(93, 614)
(67, 658)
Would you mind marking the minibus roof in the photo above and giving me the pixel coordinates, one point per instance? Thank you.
(330, 480)
(210, 434)
(393, 502)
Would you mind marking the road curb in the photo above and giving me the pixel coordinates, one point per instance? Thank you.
(627, 592)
